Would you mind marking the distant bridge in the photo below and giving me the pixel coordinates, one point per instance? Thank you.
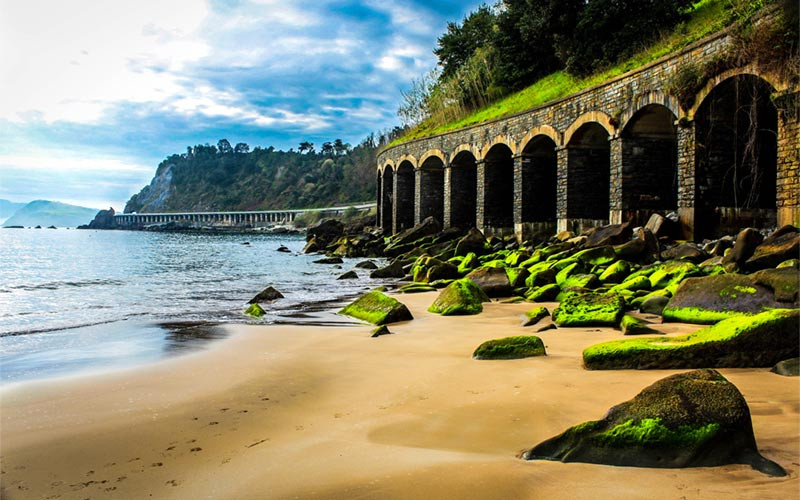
(233, 219)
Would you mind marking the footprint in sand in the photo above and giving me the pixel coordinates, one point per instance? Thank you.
(264, 399)
(224, 409)
(110, 464)
(171, 482)
(196, 449)
(157, 464)
(90, 473)
(213, 423)
(255, 444)
(134, 459)
(170, 448)
(191, 441)
(242, 411)
(121, 478)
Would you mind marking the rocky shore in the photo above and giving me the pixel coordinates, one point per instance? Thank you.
(744, 286)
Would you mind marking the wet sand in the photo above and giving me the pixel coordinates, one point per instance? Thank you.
(327, 412)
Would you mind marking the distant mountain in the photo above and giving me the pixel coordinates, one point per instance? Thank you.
(7, 209)
(51, 213)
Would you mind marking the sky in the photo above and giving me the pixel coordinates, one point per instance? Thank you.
(95, 93)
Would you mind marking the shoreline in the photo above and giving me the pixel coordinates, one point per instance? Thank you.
(327, 412)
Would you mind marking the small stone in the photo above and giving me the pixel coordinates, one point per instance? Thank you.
(381, 330)
(282, 249)
(266, 295)
(634, 326)
(367, 264)
(349, 275)
(329, 260)
(535, 315)
(255, 310)
(787, 367)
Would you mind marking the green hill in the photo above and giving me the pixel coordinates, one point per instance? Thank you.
(7, 209)
(51, 213)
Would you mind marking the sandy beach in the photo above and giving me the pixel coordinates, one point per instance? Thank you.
(328, 412)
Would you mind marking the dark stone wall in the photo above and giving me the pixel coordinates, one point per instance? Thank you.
(463, 195)
(649, 174)
(431, 193)
(404, 199)
(588, 183)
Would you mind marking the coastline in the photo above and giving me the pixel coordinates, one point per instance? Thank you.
(327, 412)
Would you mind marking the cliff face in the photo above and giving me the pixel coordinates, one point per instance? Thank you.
(205, 179)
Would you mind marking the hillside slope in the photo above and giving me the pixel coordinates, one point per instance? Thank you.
(51, 213)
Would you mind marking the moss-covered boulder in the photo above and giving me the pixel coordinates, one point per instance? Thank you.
(787, 367)
(540, 276)
(534, 315)
(511, 348)
(637, 283)
(709, 299)
(545, 293)
(654, 304)
(393, 270)
(672, 272)
(468, 263)
(616, 272)
(782, 245)
(586, 280)
(685, 251)
(378, 309)
(590, 309)
(517, 276)
(416, 288)
(760, 340)
(255, 311)
(597, 256)
(790, 263)
(474, 241)
(460, 297)
(631, 325)
(784, 283)
(492, 280)
(693, 419)
(380, 331)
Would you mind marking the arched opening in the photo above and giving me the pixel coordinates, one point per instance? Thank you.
(649, 163)
(539, 180)
(431, 189)
(588, 173)
(498, 189)
(736, 153)
(387, 189)
(404, 197)
(463, 190)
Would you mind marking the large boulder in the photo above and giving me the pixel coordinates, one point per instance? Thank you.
(783, 282)
(760, 340)
(775, 249)
(460, 297)
(590, 309)
(325, 232)
(709, 299)
(608, 235)
(427, 227)
(266, 295)
(393, 270)
(523, 346)
(746, 242)
(103, 220)
(378, 309)
(474, 241)
(692, 419)
(492, 280)
(685, 251)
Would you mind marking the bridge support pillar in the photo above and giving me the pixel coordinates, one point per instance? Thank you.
(788, 170)
(686, 178)
(480, 195)
(418, 195)
(447, 219)
(562, 166)
(615, 181)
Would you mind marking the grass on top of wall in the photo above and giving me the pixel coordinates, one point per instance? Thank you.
(708, 16)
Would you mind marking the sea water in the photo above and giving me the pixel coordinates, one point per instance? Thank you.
(81, 300)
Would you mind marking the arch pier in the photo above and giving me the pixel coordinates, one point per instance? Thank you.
(726, 159)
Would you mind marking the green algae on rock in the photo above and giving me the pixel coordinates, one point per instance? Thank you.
(709, 299)
(631, 325)
(672, 272)
(545, 293)
(534, 315)
(511, 348)
(759, 340)
(378, 309)
(590, 309)
(255, 311)
(461, 297)
(416, 288)
(616, 272)
(692, 419)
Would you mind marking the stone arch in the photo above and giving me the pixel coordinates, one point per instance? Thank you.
(473, 150)
(642, 101)
(431, 153)
(431, 187)
(539, 178)
(588, 174)
(597, 117)
(388, 164)
(386, 197)
(460, 207)
(736, 156)
(776, 83)
(498, 189)
(648, 159)
(404, 195)
(408, 159)
(499, 140)
(541, 130)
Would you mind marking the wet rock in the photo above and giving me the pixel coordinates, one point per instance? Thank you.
(775, 250)
(671, 273)
(754, 341)
(709, 299)
(534, 315)
(608, 235)
(282, 249)
(367, 264)
(493, 281)
(461, 297)
(654, 305)
(329, 260)
(427, 227)
(416, 288)
(616, 272)
(378, 309)
(746, 242)
(393, 270)
(596, 256)
(381, 330)
(693, 419)
(474, 241)
(631, 325)
(311, 246)
(544, 293)
(787, 367)
(526, 346)
(266, 295)
(325, 232)
(349, 275)
(590, 309)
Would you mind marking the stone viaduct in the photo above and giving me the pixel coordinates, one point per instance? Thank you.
(612, 153)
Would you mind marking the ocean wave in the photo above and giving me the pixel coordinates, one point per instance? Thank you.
(56, 285)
